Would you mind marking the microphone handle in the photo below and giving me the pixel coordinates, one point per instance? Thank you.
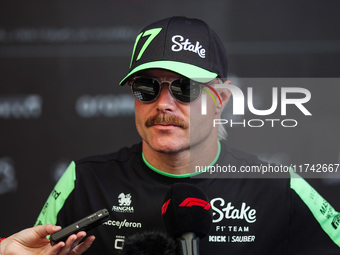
(188, 244)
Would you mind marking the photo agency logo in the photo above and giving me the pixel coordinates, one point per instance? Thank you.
(281, 101)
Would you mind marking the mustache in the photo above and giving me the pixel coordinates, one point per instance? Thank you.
(166, 119)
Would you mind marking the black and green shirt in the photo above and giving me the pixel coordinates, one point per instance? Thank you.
(250, 215)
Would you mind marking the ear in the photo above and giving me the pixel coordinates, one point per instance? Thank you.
(225, 95)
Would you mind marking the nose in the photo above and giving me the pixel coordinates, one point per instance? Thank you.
(165, 101)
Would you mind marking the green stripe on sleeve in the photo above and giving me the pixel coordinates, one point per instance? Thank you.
(323, 212)
(58, 196)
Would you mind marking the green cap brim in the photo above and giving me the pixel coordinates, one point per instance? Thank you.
(187, 70)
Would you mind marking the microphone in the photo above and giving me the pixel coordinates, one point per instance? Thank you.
(187, 216)
(149, 243)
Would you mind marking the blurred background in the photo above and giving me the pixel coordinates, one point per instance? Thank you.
(61, 62)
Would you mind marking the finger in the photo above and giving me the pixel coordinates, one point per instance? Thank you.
(44, 230)
(55, 250)
(81, 248)
(68, 245)
(71, 242)
(79, 236)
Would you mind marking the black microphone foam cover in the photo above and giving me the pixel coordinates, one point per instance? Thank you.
(149, 243)
(186, 209)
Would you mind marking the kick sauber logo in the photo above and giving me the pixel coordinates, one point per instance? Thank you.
(124, 204)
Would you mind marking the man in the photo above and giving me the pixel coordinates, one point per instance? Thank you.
(250, 216)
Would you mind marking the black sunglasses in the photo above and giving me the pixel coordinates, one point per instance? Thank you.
(147, 89)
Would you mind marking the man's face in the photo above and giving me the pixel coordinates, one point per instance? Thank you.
(164, 124)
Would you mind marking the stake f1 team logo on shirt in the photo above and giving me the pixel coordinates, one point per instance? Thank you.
(234, 232)
(124, 202)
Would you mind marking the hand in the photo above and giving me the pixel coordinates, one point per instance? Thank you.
(33, 241)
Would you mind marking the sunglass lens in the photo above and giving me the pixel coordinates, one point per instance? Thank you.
(145, 89)
(184, 91)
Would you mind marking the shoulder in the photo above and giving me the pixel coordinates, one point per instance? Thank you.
(122, 155)
(237, 156)
(244, 165)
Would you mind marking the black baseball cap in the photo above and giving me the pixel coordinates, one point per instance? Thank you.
(183, 45)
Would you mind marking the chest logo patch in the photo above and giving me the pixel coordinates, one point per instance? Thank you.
(124, 204)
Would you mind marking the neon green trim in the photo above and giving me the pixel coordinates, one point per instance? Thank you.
(323, 212)
(210, 95)
(163, 173)
(182, 175)
(134, 48)
(152, 33)
(58, 196)
(188, 70)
